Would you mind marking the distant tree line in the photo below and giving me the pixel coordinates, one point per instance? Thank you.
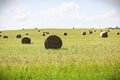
(114, 27)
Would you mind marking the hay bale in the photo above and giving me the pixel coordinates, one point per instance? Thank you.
(36, 28)
(65, 34)
(103, 34)
(118, 33)
(26, 40)
(18, 36)
(108, 30)
(83, 33)
(94, 30)
(5, 36)
(27, 34)
(43, 34)
(47, 32)
(53, 42)
(90, 32)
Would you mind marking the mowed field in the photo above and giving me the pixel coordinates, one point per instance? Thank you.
(87, 57)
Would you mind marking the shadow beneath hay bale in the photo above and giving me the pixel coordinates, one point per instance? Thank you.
(64, 48)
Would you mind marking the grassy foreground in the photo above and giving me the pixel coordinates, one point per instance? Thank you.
(81, 57)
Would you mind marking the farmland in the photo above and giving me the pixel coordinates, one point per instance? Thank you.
(82, 57)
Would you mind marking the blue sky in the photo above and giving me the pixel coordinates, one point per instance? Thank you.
(18, 14)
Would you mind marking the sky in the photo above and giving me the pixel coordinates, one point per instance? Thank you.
(18, 14)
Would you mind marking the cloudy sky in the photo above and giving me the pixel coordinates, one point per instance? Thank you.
(18, 14)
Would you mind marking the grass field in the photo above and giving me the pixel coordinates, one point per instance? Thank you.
(81, 57)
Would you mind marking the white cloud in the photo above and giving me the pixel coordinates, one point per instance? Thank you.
(102, 15)
(114, 1)
(60, 11)
(13, 1)
(108, 14)
(15, 18)
(21, 14)
(2, 18)
(71, 11)
(16, 14)
(67, 14)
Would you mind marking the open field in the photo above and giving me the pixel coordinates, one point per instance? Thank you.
(87, 57)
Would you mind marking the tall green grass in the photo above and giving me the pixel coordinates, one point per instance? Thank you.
(86, 57)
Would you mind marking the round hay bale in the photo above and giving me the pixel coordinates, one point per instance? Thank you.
(83, 33)
(65, 34)
(90, 32)
(103, 34)
(36, 28)
(27, 34)
(118, 33)
(108, 30)
(18, 36)
(53, 42)
(26, 40)
(5, 36)
(94, 30)
(0, 35)
(47, 32)
(43, 34)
